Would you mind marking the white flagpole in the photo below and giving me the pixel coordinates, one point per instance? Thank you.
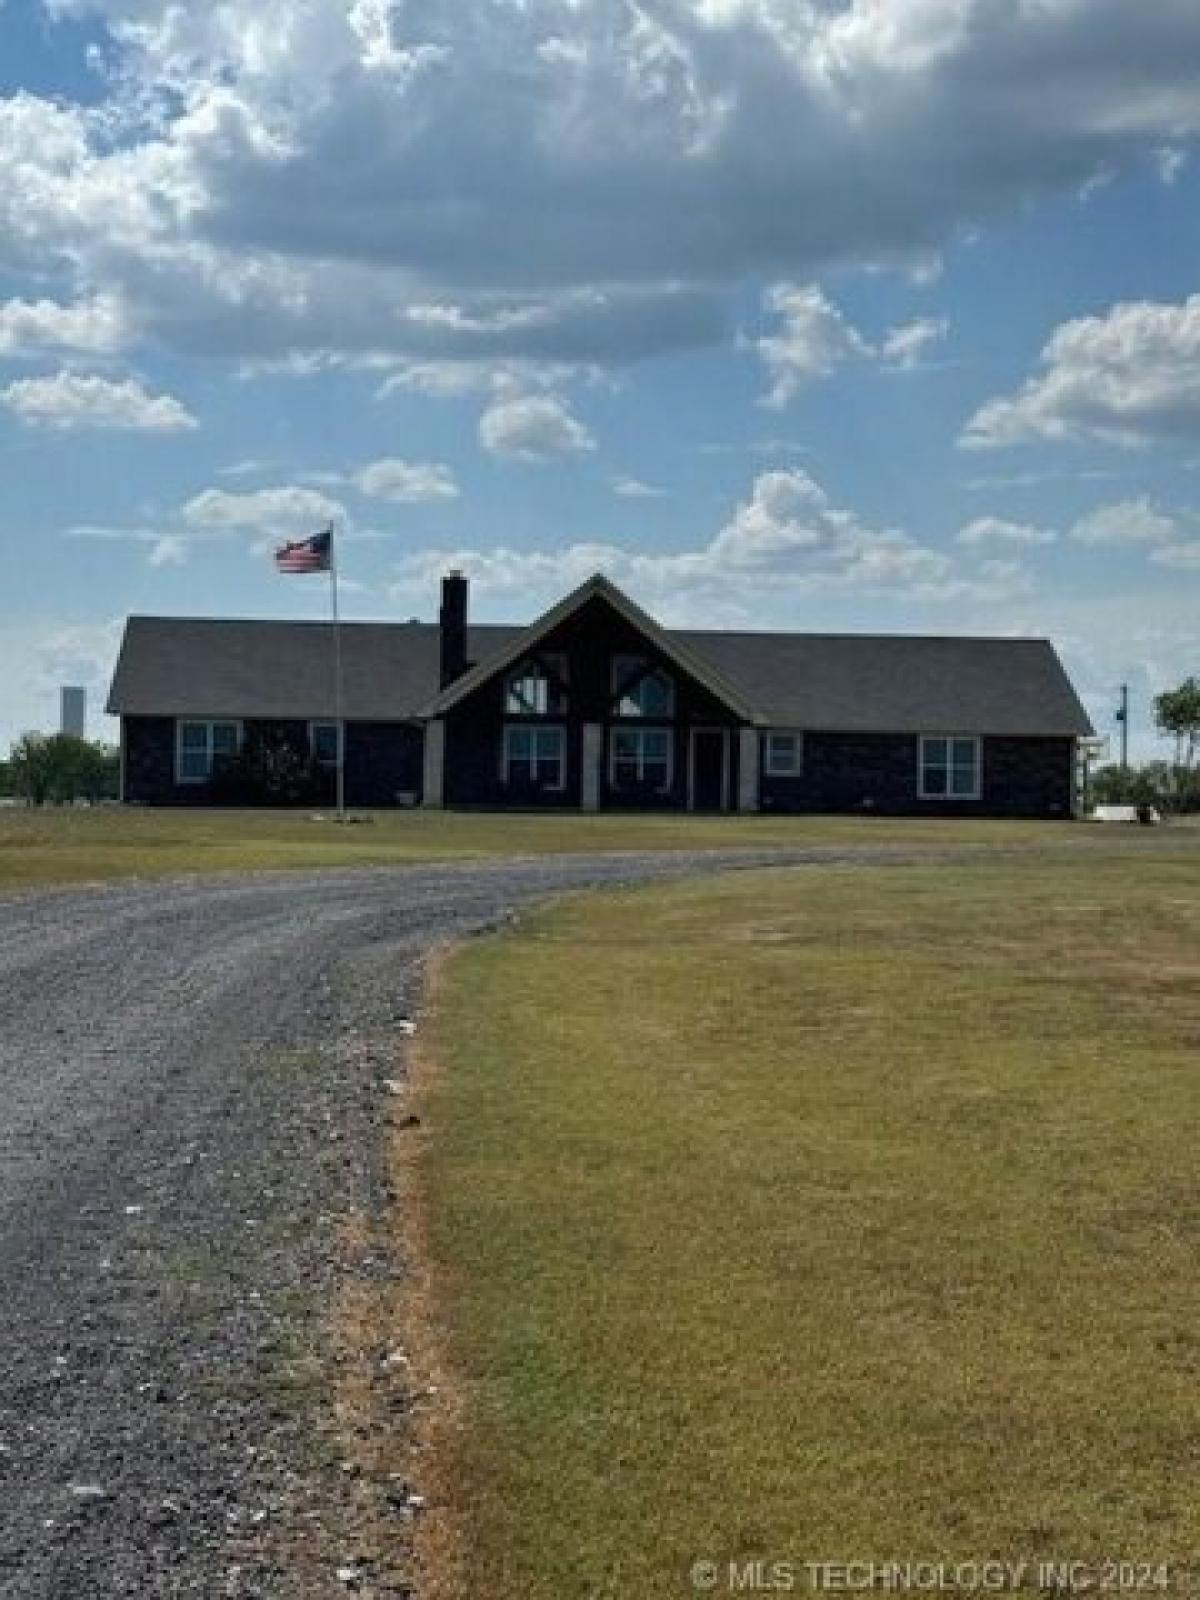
(337, 678)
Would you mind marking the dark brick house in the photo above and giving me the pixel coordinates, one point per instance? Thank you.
(595, 706)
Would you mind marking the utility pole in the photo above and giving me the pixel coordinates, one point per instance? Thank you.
(1123, 719)
(337, 679)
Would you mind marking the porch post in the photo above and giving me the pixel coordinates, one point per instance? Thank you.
(591, 756)
(433, 791)
(747, 769)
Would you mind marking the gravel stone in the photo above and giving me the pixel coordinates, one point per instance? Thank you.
(195, 1099)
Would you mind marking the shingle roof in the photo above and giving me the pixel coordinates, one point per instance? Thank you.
(173, 666)
(899, 683)
(852, 682)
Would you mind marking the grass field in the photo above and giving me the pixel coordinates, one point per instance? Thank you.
(50, 846)
(832, 1214)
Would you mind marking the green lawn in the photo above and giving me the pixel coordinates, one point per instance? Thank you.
(830, 1214)
(93, 846)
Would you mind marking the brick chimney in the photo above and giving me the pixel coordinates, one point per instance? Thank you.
(452, 620)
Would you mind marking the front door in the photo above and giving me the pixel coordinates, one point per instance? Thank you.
(709, 789)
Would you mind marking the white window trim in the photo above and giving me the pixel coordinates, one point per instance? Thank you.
(327, 722)
(637, 730)
(795, 767)
(976, 793)
(202, 722)
(552, 669)
(534, 729)
(623, 668)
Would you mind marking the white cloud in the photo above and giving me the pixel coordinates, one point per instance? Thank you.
(556, 181)
(1125, 522)
(1128, 377)
(95, 327)
(787, 512)
(1171, 161)
(286, 511)
(904, 347)
(532, 428)
(407, 482)
(324, 478)
(440, 380)
(71, 400)
(813, 340)
(998, 580)
(452, 379)
(1095, 183)
(635, 489)
(248, 467)
(786, 538)
(1183, 557)
(996, 530)
(168, 551)
(263, 516)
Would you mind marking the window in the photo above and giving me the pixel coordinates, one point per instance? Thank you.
(201, 745)
(782, 755)
(640, 690)
(641, 758)
(323, 743)
(537, 688)
(949, 768)
(535, 757)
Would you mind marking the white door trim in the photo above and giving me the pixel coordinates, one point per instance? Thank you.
(691, 764)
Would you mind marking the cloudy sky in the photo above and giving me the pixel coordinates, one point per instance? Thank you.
(815, 314)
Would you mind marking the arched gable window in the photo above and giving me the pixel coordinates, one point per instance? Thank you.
(536, 688)
(641, 690)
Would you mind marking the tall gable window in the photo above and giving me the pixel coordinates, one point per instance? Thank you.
(535, 758)
(201, 745)
(640, 690)
(949, 768)
(537, 688)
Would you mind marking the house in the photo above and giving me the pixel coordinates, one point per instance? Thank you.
(595, 706)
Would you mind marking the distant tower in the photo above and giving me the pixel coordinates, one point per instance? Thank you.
(73, 715)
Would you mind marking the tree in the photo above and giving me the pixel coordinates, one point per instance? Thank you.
(1158, 783)
(1177, 714)
(1115, 786)
(60, 770)
(30, 765)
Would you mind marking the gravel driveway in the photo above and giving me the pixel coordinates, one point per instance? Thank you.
(193, 1101)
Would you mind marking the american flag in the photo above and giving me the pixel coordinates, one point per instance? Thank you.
(307, 555)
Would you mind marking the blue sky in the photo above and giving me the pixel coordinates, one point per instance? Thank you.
(848, 314)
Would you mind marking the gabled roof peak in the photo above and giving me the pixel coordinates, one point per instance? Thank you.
(598, 585)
